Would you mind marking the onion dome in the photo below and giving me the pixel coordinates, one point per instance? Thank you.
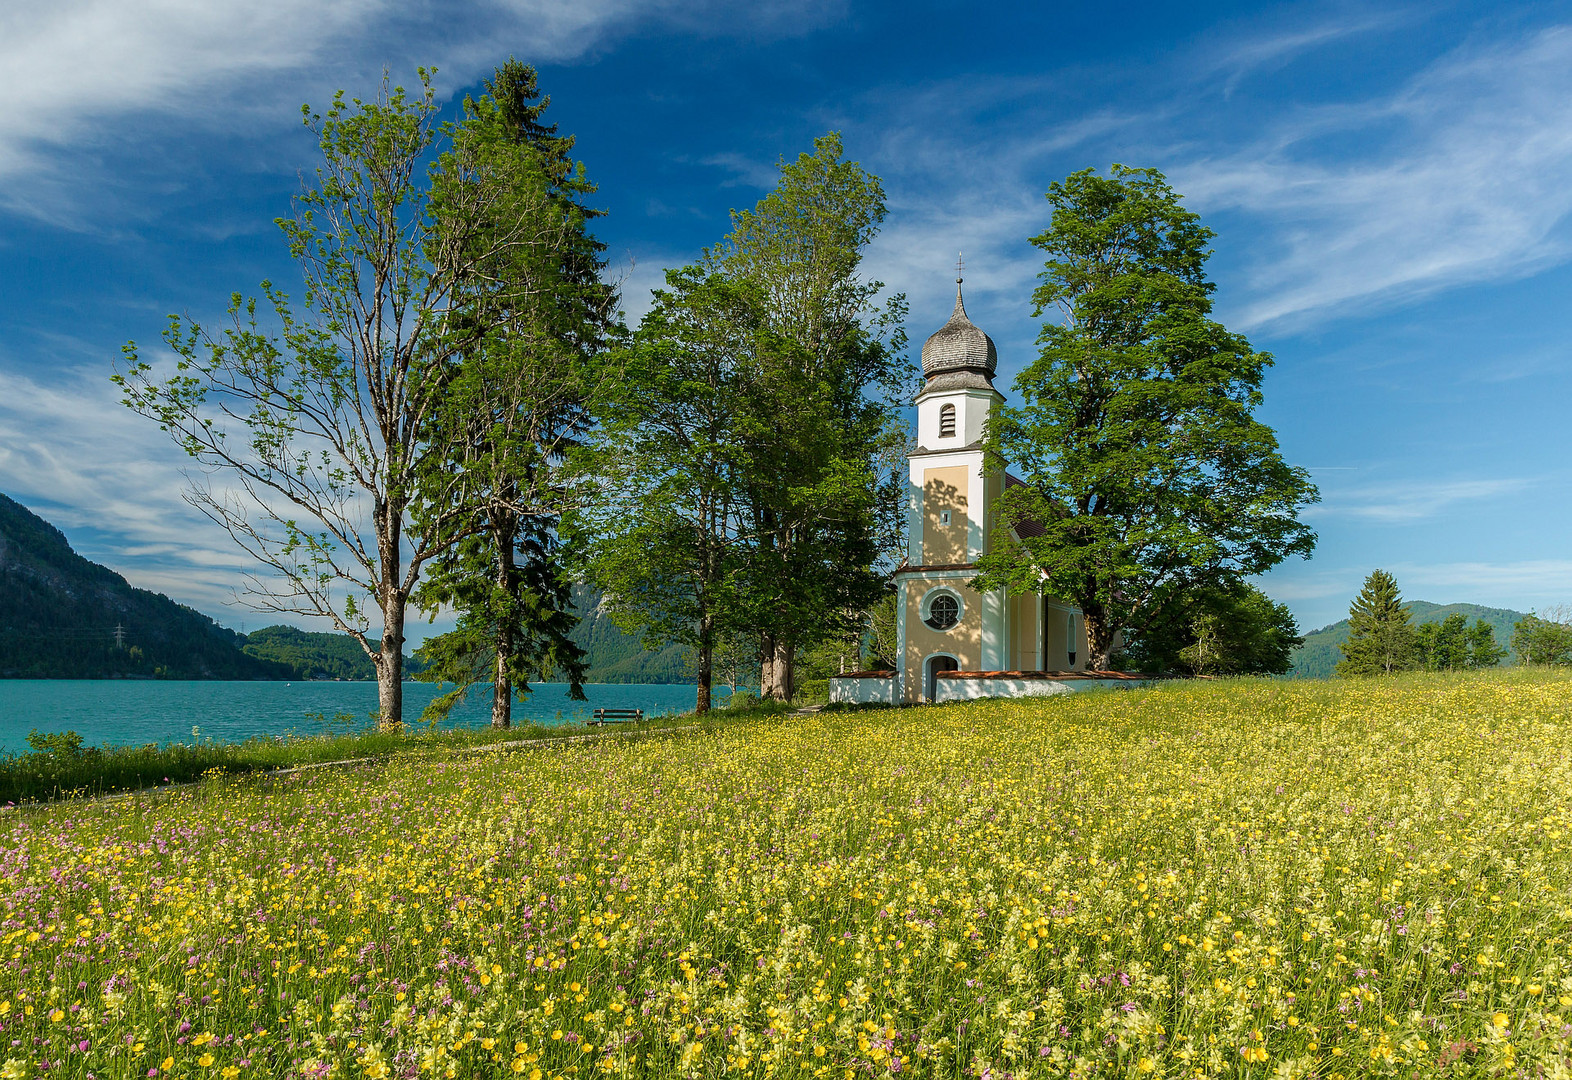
(959, 346)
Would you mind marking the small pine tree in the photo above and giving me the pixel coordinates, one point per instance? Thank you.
(1381, 640)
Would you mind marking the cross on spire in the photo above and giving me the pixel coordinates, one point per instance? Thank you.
(960, 266)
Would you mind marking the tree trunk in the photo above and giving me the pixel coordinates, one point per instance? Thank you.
(766, 666)
(783, 689)
(502, 687)
(706, 663)
(390, 659)
(390, 664)
(1099, 639)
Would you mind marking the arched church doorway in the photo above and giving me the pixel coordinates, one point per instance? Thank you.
(931, 671)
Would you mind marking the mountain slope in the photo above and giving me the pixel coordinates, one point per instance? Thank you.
(1317, 658)
(616, 657)
(314, 654)
(59, 613)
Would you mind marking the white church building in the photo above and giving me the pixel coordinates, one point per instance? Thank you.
(957, 643)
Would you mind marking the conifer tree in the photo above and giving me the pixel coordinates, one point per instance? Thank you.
(1381, 640)
(517, 403)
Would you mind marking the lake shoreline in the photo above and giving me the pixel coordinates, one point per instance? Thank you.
(134, 712)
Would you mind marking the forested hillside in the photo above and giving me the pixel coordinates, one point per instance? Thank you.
(616, 657)
(1317, 658)
(59, 613)
(316, 655)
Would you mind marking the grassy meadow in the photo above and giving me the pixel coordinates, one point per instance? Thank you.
(1247, 878)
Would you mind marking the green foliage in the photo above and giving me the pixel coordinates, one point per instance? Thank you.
(739, 453)
(1317, 658)
(1453, 645)
(516, 402)
(1236, 631)
(60, 612)
(882, 643)
(1543, 639)
(1147, 476)
(664, 530)
(67, 744)
(1380, 636)
(312, 654)
(815, 437)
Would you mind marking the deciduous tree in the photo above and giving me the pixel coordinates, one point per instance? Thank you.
(1543, 638)
(1144, 465)
(1235, 631)
(322, 419)
(671, 468)
(815, 434)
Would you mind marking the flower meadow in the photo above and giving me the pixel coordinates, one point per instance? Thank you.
(1234, 879)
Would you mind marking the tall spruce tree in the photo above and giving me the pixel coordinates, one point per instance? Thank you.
(1381, 640)
(518, 403)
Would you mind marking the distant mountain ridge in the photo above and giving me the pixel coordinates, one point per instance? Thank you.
(616, 657)
(59, 615)
(1317, 658)
(313, 654)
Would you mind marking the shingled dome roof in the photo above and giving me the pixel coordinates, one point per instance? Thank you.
(959, 345)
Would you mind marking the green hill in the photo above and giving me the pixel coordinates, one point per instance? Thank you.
(59, 615)
(316, 655)
(1317, 658)
(616, 657)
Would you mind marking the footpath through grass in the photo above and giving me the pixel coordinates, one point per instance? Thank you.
(1232, 879)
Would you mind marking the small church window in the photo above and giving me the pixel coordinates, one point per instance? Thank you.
(947, 422)
(943, 612)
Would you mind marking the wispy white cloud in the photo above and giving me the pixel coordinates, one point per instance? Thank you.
(1261, 53)
(745, 171)
(112, 481)
(81, 75)
(1403, 502)
(1538, 583)
(1462, 175)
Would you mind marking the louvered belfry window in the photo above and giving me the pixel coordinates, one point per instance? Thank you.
(947, 422)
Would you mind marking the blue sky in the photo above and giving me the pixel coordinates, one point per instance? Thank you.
(1391, 187)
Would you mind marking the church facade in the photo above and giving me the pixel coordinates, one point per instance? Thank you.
(956, 642)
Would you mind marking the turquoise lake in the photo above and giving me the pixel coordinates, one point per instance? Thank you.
(121, 712)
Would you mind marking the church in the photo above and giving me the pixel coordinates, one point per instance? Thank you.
(957, 643)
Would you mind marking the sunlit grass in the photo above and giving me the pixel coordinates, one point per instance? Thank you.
(92, 771)
(1242, 879)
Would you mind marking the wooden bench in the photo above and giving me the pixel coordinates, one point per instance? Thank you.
(617, 716)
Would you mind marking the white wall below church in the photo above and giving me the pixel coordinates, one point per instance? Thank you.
(961, 689)
(862, 691)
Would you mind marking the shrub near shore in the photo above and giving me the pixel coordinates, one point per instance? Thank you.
(1248, 879)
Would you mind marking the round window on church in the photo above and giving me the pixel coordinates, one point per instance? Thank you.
(944, 611)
